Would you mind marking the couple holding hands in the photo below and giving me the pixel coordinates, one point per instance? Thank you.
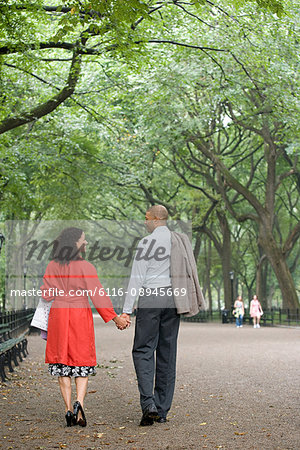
(70, 349)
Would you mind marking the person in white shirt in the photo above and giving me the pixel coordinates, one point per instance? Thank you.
(157, 322)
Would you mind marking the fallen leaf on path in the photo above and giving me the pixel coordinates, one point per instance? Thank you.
(239, 434)
(203, 423)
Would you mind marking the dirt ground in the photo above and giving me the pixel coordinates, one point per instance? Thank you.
(236, 389)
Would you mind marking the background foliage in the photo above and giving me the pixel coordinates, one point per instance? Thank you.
(108, 107)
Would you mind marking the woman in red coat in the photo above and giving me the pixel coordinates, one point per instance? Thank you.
(69, 280)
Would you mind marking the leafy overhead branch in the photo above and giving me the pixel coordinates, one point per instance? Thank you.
(231, 181)
(153, 200)
(19, 48)
(50, 105)
(294, 165)
(180, 44)
(183, 177)
(58, 10)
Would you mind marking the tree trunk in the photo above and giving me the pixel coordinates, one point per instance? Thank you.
(280, 267)
(264, 217)
(219, 298)
(261, 278)
(197, 246)
(224, 250)
(208, 268)
(225, 254)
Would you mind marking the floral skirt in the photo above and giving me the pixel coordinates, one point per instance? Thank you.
(71, 371)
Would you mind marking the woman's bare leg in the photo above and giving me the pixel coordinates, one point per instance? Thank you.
(66, 391)
(81, 388)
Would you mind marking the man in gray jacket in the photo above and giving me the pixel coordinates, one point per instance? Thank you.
(160, 255)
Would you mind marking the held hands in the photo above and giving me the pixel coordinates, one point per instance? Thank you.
(122, 322)
(127, 318)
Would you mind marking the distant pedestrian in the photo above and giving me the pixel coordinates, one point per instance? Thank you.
(239, 311)
(255, 311)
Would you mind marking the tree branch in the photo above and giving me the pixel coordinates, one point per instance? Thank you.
(193, 15)
(50, 105)
(181, 44)
(19, 48)
(212, 236)
(154, 200)
(284, 175)
(291, 239)
(59, 10)
(181, 175)
(231, 181)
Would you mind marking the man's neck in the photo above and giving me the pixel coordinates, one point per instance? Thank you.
(160, 226)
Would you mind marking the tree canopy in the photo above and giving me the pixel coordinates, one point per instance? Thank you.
(107, 107)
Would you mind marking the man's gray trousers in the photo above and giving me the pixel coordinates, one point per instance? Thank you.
(156, 331)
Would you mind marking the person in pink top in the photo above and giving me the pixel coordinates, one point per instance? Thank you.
(255, 311)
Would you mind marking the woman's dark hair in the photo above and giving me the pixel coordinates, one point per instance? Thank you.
(64, 246)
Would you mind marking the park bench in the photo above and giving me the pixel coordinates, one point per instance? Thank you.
(13, 346)
(202, 316)
(289, 317)
(266, 318)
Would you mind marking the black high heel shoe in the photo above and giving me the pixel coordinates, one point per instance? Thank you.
(82, 421)
(69, 418)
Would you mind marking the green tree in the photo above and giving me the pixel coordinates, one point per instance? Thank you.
(58, 37)
(190, 107)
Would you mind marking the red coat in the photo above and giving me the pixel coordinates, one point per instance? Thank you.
(71, 338)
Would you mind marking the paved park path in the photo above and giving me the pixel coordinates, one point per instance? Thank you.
(236, 389)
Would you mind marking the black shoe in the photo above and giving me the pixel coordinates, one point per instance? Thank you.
(81, 422)
(161, 420)
(69, 418)
(149, 414)
(146, 421)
